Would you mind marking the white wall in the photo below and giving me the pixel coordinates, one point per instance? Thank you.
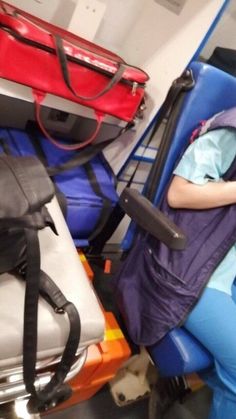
(56, 11)
(225, 33)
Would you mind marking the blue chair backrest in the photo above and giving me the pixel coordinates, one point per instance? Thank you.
(213, 92)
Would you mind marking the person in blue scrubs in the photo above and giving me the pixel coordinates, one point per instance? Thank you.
(198, 184)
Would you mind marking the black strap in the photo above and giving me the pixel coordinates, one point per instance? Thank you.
(31, 309)
(41, 400)
(5, 147)
(38, 282)
(96, 245)
(178, 87)
(183, 84)
(155, 174)
(80, 158)
(36, 143)
(106, 203)
(66, 76)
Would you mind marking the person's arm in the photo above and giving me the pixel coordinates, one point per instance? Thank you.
(185, 194)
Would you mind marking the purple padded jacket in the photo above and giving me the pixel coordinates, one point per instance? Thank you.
(157, 287)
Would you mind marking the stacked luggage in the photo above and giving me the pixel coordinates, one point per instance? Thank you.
(49, 314)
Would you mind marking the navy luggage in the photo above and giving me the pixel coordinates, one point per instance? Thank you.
(89, 189)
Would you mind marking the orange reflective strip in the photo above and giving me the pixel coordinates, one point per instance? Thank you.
(107, 266)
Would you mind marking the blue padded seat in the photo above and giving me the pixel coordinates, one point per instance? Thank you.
(179, 353)
(214, 92)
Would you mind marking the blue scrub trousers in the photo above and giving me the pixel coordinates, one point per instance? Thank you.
(213, 323)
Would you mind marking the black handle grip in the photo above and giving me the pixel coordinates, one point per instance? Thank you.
(151, 219)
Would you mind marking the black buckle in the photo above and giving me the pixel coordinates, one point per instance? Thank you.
(36, 405)
(186, 80)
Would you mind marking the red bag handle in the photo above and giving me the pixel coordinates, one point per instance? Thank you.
(61, 55)
(38, 98)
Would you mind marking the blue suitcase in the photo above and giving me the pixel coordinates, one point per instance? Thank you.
(90, 189)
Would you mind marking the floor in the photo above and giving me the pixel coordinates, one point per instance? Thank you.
(102, 406)
(196, 407)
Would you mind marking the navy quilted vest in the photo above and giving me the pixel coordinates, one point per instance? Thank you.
(157, 287)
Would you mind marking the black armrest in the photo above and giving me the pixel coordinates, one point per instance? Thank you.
(152, 219)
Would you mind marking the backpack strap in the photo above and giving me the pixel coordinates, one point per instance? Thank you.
(52, 393)
(32, 270)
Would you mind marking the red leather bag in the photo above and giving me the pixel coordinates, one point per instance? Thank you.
(52, 60)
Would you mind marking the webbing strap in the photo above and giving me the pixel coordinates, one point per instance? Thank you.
(182, 84)
(79, 158)
(106, 203)
(48, 289)
(31, 308)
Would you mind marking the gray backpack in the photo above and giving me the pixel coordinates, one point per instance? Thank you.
(25, 188)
